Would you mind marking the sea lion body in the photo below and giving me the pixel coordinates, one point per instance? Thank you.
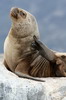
(14, 49)
(21, 58)
(18, 42)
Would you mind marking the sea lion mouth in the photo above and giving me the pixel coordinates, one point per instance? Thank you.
(14, 13)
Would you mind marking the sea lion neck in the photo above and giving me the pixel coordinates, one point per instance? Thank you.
(14, 34)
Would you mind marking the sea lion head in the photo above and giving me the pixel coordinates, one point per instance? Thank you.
(23, 22)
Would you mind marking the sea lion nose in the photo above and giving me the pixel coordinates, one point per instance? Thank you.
(16, 10)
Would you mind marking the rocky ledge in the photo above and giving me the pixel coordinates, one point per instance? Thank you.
(14, 88)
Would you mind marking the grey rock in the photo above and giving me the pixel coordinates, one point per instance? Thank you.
(14, 88)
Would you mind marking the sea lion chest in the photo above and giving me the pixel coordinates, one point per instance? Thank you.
(15, 48)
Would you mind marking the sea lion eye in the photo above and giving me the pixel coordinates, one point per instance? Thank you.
(23, 14)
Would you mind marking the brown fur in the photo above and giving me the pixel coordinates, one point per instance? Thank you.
(51, 63)
(41, 68)
(19, 57)
(18, 42)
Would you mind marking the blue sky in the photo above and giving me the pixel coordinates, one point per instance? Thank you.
(50, 15)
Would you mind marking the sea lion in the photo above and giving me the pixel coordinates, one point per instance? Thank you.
(18, 41)
(21, 58)
(57, 61)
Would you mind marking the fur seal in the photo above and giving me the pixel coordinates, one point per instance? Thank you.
(18, 41)
(20, 58)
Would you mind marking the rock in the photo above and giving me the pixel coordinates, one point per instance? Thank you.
(14, 88)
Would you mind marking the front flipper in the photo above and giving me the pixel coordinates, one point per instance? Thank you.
(43, 50)
(41, 67)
